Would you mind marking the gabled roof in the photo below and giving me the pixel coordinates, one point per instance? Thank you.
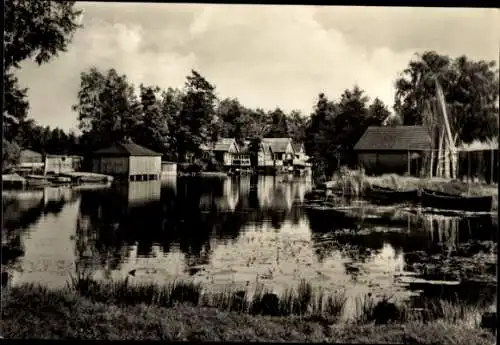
(126, 149)
(399, 138)
(28, 152)
(246, 143)
(224, 144)
(278, 145)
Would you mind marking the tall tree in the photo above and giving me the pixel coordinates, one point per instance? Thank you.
(107, 107)
(377, 113)
(320, 141)
(153, 130)
(198, 122)
(278, 124)
(36, 30)
(350, 122)
(234, 119)
(171, 106)
(297, 125)
(470, 88)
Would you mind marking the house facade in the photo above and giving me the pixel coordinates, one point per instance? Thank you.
(400, 149)
(58, 164)
(282, 150)
(129, 161)
(274, 155)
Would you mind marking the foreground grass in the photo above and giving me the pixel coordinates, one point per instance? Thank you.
(31, 311)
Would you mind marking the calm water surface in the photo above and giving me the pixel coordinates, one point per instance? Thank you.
(225, 232)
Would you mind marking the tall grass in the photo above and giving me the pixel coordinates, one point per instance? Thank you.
(303, 301)
(350, 182)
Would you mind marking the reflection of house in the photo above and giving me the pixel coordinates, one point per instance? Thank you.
(140, 193)
(231, 191)
(393, 149)
(57, 164)
(128, 160)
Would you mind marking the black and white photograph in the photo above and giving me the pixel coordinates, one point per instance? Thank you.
(222, 172)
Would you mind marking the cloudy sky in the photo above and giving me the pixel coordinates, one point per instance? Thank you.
(266, 56)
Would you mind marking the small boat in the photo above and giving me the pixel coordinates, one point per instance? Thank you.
(389, 195)
(440, 200)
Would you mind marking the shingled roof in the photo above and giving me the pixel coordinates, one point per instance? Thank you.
(277, 145)
(224, 144)
(398, 138)
(126, 149)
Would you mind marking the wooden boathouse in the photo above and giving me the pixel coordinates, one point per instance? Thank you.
(400, 150)
(127, 160)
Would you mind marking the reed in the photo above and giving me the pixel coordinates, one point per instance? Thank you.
(350, 182)
(32, 311)
(302, 301)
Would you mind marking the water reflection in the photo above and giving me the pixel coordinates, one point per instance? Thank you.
(239, 230)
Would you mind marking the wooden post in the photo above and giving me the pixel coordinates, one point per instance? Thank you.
(431, 163)
(468, 167)
(492, 155)
(409, 162)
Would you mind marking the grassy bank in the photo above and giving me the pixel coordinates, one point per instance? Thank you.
(440, 184)
(354, 182)
(35, 312)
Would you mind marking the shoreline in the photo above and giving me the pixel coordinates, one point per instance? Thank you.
(356, 182)
(61, 314)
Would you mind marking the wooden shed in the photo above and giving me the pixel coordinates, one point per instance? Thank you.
(399, 149)
(129, 161)
(479, 161)
(30, 161)
(282, 149)
(58, 164)
(225, 151)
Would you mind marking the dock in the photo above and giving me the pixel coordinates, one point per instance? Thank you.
(87, 177)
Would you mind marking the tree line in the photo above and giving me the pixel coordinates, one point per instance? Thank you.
(179, 122)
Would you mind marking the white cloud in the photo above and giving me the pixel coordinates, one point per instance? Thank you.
(266, 56)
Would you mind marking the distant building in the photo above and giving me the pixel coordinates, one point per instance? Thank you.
(282, 149)
(129, 161)
(77, 162)
(274, 154)
(225, 151)
(300, 157)
(479, 161)
(169, 168)
(30, 161)
(393, 149)
(58, 164)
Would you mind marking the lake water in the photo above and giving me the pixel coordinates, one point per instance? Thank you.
(230, 232)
